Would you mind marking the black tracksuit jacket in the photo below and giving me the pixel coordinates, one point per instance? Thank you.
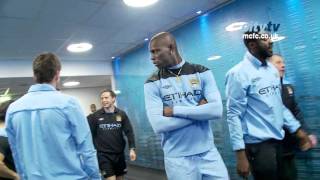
(108, 130)
(288, 98)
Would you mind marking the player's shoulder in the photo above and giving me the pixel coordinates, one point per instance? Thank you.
(191, 68)
(154, 77)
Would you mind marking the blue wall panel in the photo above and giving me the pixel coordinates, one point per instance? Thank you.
(206, 36)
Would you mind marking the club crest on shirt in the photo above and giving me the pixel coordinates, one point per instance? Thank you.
(290, 90)
(194, 82)
(118, 118)
(166, 86)
(255, 80)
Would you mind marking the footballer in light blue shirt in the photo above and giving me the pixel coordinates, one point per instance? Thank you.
(48, 132)
(255, 111)
(181, 99)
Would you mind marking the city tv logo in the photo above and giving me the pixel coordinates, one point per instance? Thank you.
(253, 27)
(270, 27)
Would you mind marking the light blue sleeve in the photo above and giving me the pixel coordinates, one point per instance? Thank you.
(210, 111)
(290, 122)
(81, 134)
(154, 109)
(236, 106)
(12, 142)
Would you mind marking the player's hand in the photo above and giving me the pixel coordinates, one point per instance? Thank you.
(313, 140)
(133, 155)
(304, 141)
(243, 167)
(202, 101)
(167, 111)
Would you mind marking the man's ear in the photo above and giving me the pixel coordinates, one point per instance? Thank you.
(171, 47)
(57, 76)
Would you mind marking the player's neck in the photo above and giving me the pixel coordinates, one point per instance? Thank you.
(175, 63)
(110, 109)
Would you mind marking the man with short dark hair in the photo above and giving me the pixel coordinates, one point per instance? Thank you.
(108, 125)
(181, 99)
(93, 108)
(255, 112)
(47, 130)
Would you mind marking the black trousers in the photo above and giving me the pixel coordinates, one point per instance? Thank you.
(289, 167)
(266, 160)
(112, 164)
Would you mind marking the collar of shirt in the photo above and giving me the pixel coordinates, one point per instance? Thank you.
(41, 87)
(102, 111)
(256, 62)
(178, 65)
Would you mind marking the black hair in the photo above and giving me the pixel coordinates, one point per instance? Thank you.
(3, 109)
(45, 67)
(112, 93)
(252, 36)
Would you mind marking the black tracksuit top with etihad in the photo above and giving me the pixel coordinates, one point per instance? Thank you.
(108, 131)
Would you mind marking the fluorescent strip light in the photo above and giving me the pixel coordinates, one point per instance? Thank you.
(71, 83)
(212, 58)
(117, 91)
(277, 38)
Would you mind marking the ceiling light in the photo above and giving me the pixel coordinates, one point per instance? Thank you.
(139, 3)
(71, 83)
(113, 57)
(235, 26)
(80, 47)
(277, 38)
(5, 98)
(146, 39)
(199, 12)
(212, 58)
(6, 92)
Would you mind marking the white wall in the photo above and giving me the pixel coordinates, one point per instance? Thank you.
(23, 68)
(86, 96)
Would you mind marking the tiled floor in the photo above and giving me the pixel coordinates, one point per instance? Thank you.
(142, 173)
